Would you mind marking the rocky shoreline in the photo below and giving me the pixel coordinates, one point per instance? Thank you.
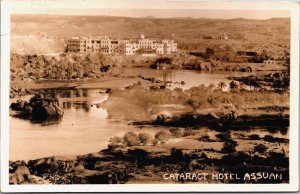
(137, 165)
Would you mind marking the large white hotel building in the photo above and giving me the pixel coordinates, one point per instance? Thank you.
(105, 45)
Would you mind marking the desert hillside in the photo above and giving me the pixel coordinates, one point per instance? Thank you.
(33, 44)
(191, 34)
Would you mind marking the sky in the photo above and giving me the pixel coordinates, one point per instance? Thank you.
(153, 8)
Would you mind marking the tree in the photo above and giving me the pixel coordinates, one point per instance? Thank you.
(177, 132)
(145, 138)
(166, 60)
(229, 146)
(233, 85)
(176, 154)
(254, 137)
(115, 141)
(193, 103)
(131, 139)
(260, 148)
(138, 153)
(251, 81)
(163, 136)
(223, 136)
(264, 55)
(208, 53)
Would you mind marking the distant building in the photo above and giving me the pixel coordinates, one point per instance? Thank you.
(105, 45)
(73, 44)
(93, 45)
(148, 46)
(270, 62)
(83, 44)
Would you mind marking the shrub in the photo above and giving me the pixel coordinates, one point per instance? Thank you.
(139, 153)
(233, 85)
(229, 146)
(188, 131)
(154, 141)
(163, 136)
(278, 159)
(223, 136)
(254, 137)
(260, 148)
(269, 138)
(203, 155)
(193, 103)
(166, 60)
(145, 138)
(131, 139)
(176, 154)
(235, 159)
(177, 132)
(115, 141)
(209, 52)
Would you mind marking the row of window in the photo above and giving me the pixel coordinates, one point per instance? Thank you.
(94, 50)
(146, 43)
(143, 42)
(107, 51)
(127, 45)
(149, 52)
(95, 41)
(73, 50)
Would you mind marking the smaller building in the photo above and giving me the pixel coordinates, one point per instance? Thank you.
(271, 62)
(93, 44)
(73, 44)
(83, 44)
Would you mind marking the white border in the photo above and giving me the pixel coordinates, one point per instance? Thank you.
(294, 103)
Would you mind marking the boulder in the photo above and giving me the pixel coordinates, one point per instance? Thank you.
(39, 108)
(81, 174)
(21, 175)
(106, 177)
(52, 164)
(42, 111)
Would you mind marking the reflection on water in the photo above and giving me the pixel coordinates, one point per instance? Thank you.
(85, 127)
(191, 78)
(281, 132)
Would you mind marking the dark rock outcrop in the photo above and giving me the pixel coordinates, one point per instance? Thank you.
(38, 108)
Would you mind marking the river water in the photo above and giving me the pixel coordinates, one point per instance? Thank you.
(190, 78)
(85, 126)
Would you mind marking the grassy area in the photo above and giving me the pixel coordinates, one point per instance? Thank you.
(140, 99)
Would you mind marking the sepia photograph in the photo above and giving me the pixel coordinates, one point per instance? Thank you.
(150, 92)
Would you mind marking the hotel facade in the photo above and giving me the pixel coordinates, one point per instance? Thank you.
(106, 45)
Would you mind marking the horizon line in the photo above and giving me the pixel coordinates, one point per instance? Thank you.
(147, 17)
